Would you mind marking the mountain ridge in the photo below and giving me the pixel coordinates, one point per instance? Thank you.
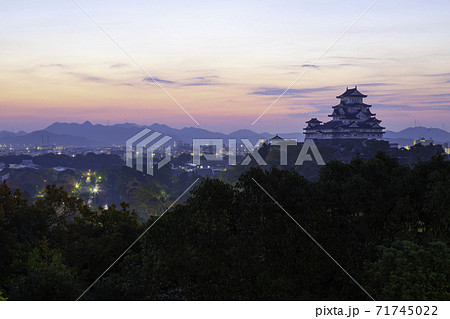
(410, 134)
(88, 134)
(43, 137)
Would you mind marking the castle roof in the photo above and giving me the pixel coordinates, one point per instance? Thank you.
(368, 113)
(341, 105)
(371, 123)
(313, 120)
(351, 93)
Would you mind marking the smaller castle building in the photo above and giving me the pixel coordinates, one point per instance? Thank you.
(351, 119)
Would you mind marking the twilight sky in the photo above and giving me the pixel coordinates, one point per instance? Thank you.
(224, 61)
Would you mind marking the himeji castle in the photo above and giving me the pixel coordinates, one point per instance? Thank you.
(352, 119)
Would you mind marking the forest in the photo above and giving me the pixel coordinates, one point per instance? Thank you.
(385, 223)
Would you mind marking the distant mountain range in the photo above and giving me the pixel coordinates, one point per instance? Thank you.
(44, 138)
(89, 135)
(408, 135)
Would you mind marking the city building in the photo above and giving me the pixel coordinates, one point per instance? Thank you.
(351, 119)
(394, 146)
(275, 139)
(204, 171)
(424, 142)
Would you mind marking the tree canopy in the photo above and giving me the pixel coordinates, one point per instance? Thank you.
(385, 223)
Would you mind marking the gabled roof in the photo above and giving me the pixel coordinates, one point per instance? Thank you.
(335, 124)
(343, 106)
(351, 93)
(335, 113)
(368, 113)
(313, 120)
(331, 124)
(372, 120)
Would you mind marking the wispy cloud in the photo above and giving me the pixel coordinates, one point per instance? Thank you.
(291, 92)
(52, 65)
(204, 78)
(374, 84)
(88, 77)
(397, 107)
(440, 95)
(440, 77)
(327, 65)
(310, 66)
(201, 84)
(203, 81)
(293, 66)
(353, 58)
(119, 66)
(344, 64)
(302, 92)
(161, 81)
(306, 113)
(437, 75)
(436, 102)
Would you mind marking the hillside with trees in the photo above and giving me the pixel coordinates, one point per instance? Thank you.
(385, 223)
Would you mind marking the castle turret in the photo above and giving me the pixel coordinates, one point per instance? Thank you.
(351, 119)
